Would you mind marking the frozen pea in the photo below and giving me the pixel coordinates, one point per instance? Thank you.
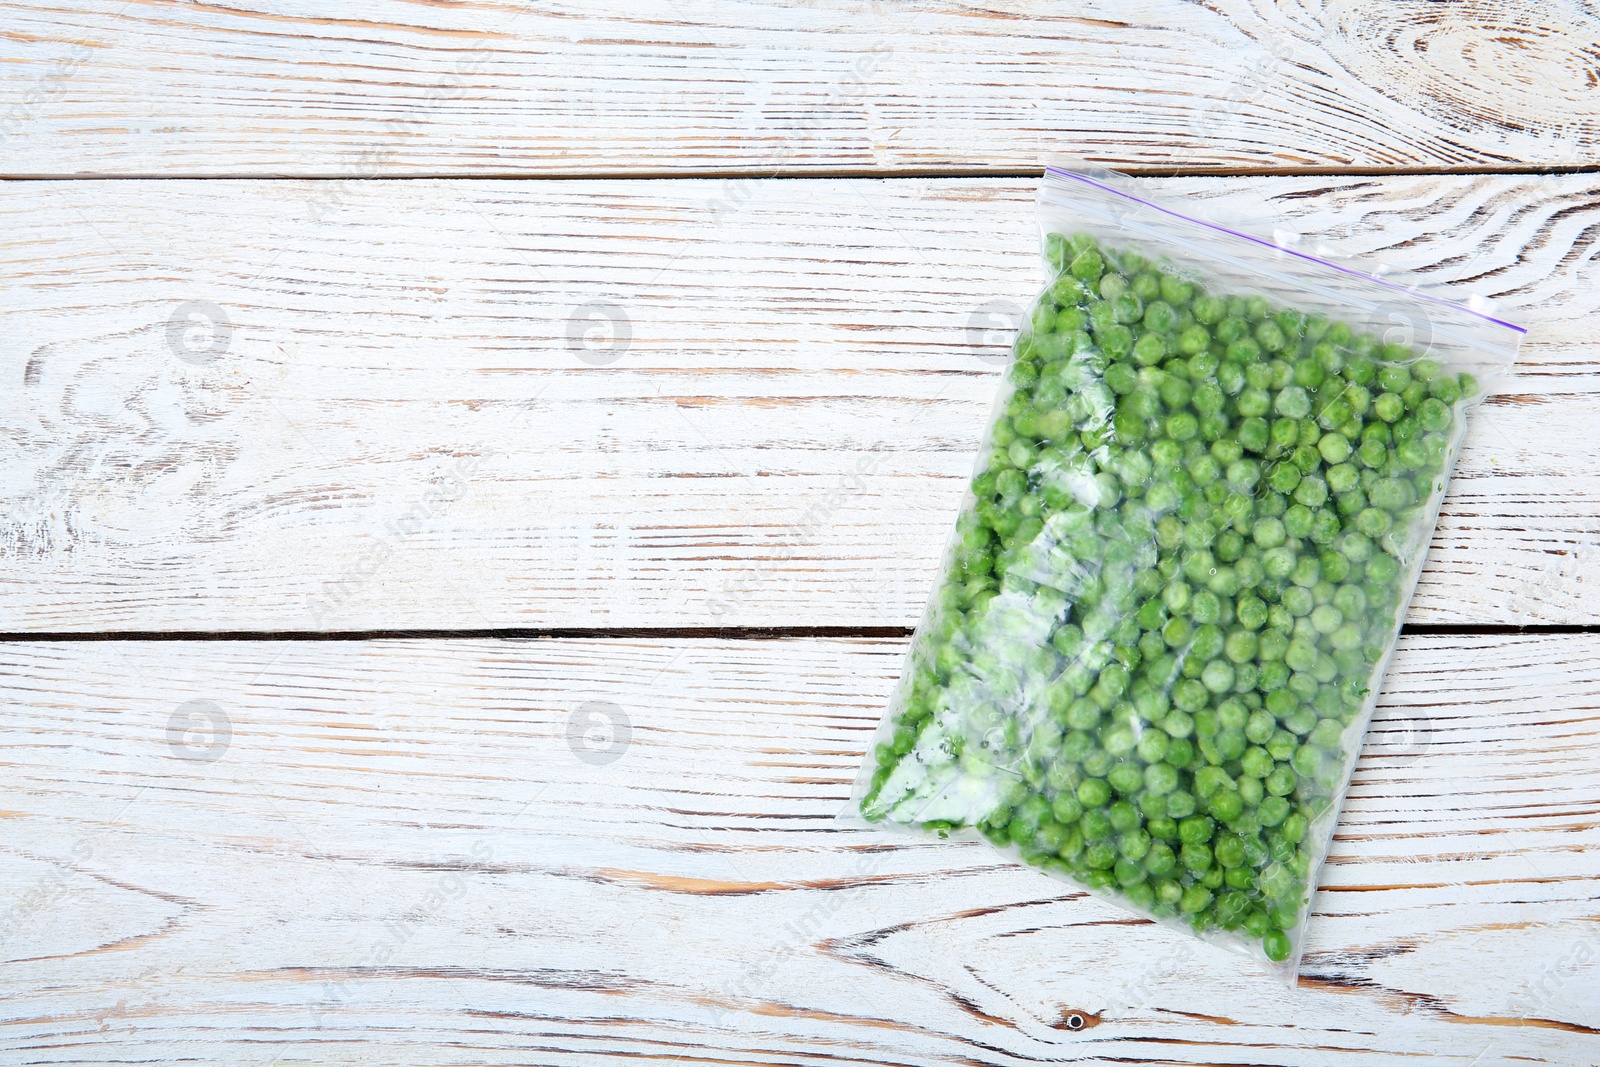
(1125, 778)
(1218, 676)
(1276, 945)
(1195, 899)
(1335, 447)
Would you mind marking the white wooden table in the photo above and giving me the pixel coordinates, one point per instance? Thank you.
(469, 472)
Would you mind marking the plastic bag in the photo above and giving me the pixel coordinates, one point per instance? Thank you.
(1174, 586)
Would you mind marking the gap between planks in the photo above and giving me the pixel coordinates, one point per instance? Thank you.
(663, 633)
(873, 173)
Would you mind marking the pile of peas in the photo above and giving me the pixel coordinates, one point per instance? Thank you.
(1182, 565)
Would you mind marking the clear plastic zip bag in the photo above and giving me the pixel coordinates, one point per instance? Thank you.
(1182, 565)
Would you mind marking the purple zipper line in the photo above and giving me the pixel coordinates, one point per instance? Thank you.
(1290, 251)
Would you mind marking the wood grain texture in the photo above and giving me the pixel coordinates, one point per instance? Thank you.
(451, 852)
(400, 425)
(403, 87)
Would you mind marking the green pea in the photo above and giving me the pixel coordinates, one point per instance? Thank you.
(1195, 899)
(1389, 407)
(1346, 638)
(1285, 433)
(1226, 805)
(1151, 805)
(1269, 533)
(1280, 747)
(1350, 600)
(1298, 521)
(1434, 414)
(1217, 676)
(1334, 567)
(1161, 779)
(1134, 844)
(1284, 477)
(1094, 825)
(1259, 729)
(1374, 522)
(1252, 793)
(1160, 860)
(1152, 747)
(1100, 856)
(1312, 492)
(1066, 808)
(1325, 618)
(1300, 720)
(1125, 778)
(1253, 403)
(1178, 725)
(1292, 402)
(1159, 317)
(1230, 851)
(1382, 569)
(1209, 309)
(1182, 426)
(1256, 762)
(1181, 804)
(1251, 612)
(1149, 350)
(1094, 793)
(1326, 734)
(1448, 390)
(1087, 266)
(1195, 830)
(1232, 714)
(1276, 945)
(1241, 645)
(1253, 434)
(1335, 447)
(1196, 858)
(1206, 607)
(1274, 809)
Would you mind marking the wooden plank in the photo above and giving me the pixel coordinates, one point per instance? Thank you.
(387, 87)
(447, 852)
(400, 425)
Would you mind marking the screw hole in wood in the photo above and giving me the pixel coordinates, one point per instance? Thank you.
(1072, 1019)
